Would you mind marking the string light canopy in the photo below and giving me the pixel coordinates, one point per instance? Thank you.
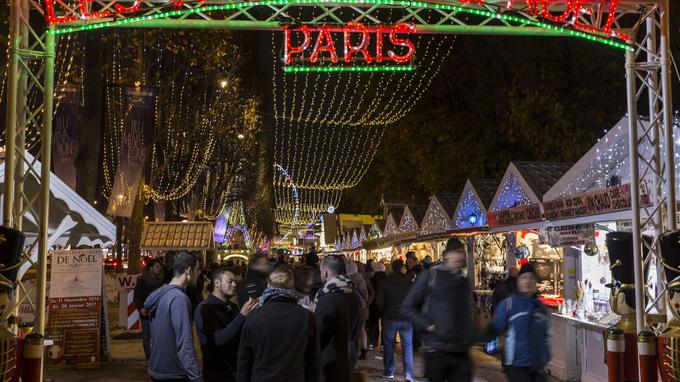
(328, 127)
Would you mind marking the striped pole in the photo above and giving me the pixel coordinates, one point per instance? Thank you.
(133, 322)
(646, 345)
(616, 348)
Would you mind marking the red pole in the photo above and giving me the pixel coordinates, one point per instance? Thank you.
(646, 345)
(616, 347)
(32, 358)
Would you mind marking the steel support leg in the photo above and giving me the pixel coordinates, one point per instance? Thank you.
(635, 189)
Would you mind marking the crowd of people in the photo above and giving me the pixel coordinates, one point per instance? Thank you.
(313, 320)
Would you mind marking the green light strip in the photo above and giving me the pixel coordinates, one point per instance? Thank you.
(331, 69)
(402, 3)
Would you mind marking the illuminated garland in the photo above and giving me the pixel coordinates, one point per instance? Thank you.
(436, 219)
(406, 4)
(470, 213)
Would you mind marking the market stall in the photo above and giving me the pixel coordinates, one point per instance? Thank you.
(487, 251)
(436, 226)
(516, 211)
(588, 204)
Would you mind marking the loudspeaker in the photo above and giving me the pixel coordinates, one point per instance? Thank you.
(11, 245)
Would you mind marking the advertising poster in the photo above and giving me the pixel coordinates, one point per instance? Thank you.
(75, 308)
(65, 140)
(138, 126)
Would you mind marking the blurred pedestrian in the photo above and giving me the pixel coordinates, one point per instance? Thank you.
(150, 280)
(279, 340)
(361, 288)
(173, 357)
(440, 305)
(218, 325)
(526, 321)
(427, 262)
(255, 280)
(390, 298)
(338, 316)
(504, 289)
(374, 313)
(413, 267)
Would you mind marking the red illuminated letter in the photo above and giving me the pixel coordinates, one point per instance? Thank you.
(362, 47)
(289, 49)
(133, 8)
(379, 43)
(85, 12)
(401, 28)
(51, 16)
(328, 46)
(607, 28)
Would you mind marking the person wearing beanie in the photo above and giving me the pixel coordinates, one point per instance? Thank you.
(525, 321)
(440, 305)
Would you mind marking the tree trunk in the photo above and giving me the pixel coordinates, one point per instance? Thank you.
(136, 228)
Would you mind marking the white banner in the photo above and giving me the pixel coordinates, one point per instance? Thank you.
(566, 235)
(76, 273)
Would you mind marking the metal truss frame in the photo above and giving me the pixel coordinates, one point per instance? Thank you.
(32, 61)
(649, 81)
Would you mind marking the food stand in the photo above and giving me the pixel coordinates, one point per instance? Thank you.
(516, 211)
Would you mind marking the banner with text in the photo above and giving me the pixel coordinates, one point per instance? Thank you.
(607, 200)
(75, 307)
(524, 214)
(65, 140)
(567, 235)
(138, 126)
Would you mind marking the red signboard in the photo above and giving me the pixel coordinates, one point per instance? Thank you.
(358, 50)
(612, 199)
(524, 214)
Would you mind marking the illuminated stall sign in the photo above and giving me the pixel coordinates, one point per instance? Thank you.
(351, 43)
(523, 214)
(612, 199)
(558, 11)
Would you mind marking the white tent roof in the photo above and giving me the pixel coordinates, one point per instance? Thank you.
(608, 157)
(469, 204)
(79, 224)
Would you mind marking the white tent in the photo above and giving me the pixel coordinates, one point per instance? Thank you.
(72, 220)
(606, 163)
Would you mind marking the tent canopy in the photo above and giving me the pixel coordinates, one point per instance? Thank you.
(78, 223)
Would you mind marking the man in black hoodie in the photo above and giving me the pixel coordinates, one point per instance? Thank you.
(151, 279)
(173, 357)
(440, 304)
(218, 324)
(256, 279)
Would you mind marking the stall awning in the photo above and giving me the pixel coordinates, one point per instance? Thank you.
(173, 236)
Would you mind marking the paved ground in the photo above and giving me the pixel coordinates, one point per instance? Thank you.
(128, 365)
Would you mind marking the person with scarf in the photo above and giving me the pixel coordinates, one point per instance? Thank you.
(338, 317)
(278, 340)
(151, 279)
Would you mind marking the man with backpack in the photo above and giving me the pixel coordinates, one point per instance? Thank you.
(440, 305)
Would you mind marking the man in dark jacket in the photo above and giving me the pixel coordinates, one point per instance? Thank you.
(218, 324)
(374, 313)
(173, 357)
(440, 304)
(279, 340)
(504, 289)
(338, 316)
(151, 279)
(256, 278)
(390, 297)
